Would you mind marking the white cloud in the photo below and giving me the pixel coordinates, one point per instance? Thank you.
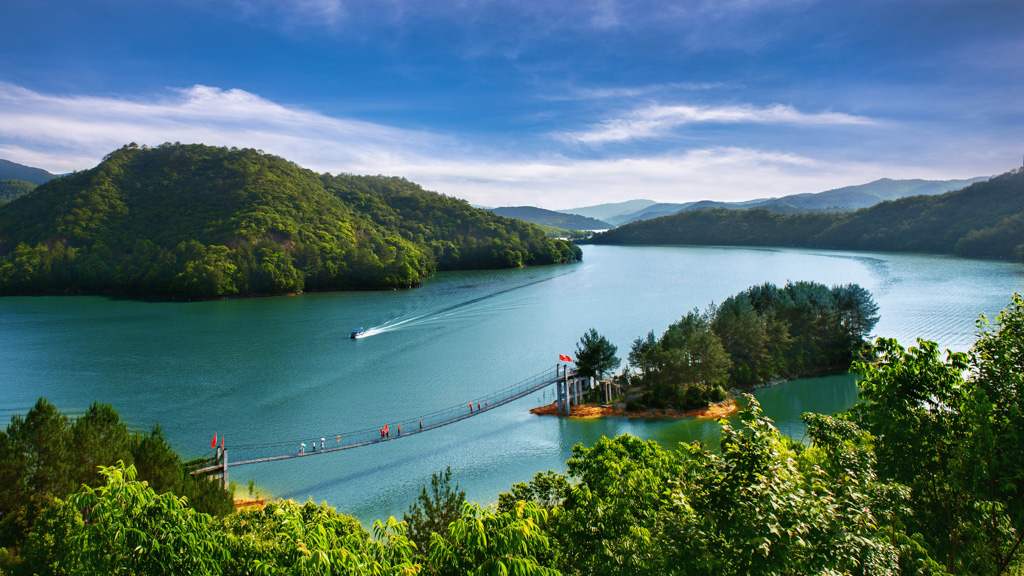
(624, 92)
(80, 127)
(65, 133)
(657, 121)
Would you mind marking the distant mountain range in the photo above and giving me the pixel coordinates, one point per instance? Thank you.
(983, 220)
(14, 171)
(844, 199)
(17, 180)
(611, 212)
(551, 218)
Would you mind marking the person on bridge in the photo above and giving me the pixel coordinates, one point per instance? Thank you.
(302, 448)
(470, 406)
(381, 433)
(387, 431)
(323, 444)
(399, 429)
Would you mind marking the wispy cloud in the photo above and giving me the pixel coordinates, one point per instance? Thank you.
(88, 127)
(657, 120)
(624, 92)
(64, 133)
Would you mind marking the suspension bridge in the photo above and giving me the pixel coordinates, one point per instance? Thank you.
(569, 386)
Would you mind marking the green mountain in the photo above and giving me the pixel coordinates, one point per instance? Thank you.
(606, 212)
(551, 218)
(14, 171)
(984, 220)
(194, 221)
(11, 189)
(851, 198)
(846, 199)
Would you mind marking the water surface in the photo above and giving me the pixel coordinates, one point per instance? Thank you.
(284, 369)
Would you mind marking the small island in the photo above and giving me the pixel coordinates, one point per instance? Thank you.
(761, 336)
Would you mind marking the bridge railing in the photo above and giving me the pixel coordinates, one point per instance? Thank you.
(244, 453)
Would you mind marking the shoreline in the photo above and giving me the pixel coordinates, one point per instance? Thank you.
(713, 411)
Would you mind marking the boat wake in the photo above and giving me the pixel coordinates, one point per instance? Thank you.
(443, 310)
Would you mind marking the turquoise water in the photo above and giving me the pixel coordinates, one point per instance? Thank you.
(284, 369)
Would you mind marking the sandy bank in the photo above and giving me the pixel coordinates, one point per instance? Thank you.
(598, 411)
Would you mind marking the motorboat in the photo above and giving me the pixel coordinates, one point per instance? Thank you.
(357, 332)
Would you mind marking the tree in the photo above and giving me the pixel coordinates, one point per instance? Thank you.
(129, 529)
(691, 353)
(434, 511)
(484, 542)
(643, 354)
(952, 430)
(595, 355)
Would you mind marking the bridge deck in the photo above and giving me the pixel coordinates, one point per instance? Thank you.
(410, 426)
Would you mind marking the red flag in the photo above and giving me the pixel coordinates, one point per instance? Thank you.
(568, 359)
(564, 358)
(221, 442)
(213, 443)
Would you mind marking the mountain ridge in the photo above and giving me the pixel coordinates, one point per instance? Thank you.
(195, 221)
(983, 220)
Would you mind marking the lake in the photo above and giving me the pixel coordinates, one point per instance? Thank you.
(284, 369)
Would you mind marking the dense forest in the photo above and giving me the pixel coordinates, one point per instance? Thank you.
(984, 220)
(11, 189)
(922, 477)
(761, 334)
(194, 221)
(46, 455)
(14, 171)
(551, 218)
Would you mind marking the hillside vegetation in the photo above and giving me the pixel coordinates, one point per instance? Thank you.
(14, 171)
(551, 218)
(194, 221)
(984, 220)
(11, 189)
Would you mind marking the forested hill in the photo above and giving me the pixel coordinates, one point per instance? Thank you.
(195, 221)
(984, 220)
(551, 218)
(14, 171)
(11, 189)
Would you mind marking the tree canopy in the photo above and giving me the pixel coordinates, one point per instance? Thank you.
(595, 355)
(761, 334)
(984, 220)
(194, 221)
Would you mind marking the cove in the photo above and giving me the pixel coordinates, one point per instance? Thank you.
(284, 369)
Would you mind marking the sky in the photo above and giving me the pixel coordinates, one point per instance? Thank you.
(551, 103)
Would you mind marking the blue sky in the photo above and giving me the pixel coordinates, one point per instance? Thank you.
(550, 103)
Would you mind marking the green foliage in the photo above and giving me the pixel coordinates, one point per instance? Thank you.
(130, 529)
(197, 221)
(51, 548)
(289, 538)
(12, 189)
(595, 355)
(546, 489)
(433, 511)
(550, 218)
(46, 455)
(983, 220)
(956, 441)
(760, 334)
(483, 542)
